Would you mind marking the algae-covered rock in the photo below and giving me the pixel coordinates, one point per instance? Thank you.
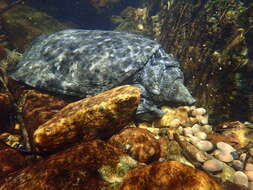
(94, 117)
(168, 175)
(79, 167)
(22, 24)
(138, 143)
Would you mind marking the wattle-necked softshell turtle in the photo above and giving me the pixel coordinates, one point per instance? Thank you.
(83, 63)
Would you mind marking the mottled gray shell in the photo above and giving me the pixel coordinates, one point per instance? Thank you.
(83, 62)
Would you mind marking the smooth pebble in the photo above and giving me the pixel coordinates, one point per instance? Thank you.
(204, 145)
(207, 128)
(225, 157)
(198, 111)
(202, 119)
(249, 174)
(240, 178)
(237, 165)
(213, 165)
(188, 131)
(224, 147)
(201, 135)
(243, 157)
(194, 140)
(249, 167)
(196, 128)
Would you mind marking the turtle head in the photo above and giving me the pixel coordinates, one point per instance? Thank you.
(172, 88)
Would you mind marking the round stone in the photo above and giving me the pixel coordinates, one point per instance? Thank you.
(188, 131)
(204, 145)
(240, 178)
(198, 111)
(249, 174)
(237, 165)
(202, 119)
(201, 135)
(194, 140)
(224, 147)
(249, 167)
(213, 165)
(207, 128)
(196, 128)
(225, 157)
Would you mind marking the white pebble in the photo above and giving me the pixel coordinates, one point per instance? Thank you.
(201, 135)
(195, 128)
(213, 165)
(194, 140)
(243, 157)
(199, 111)
(204, 145)
(240, 178)
(175, 123)
(225, 157)
(188, 131)
(249, 175)
(202, 119)
(224, 147)
(249, 167)
(180, 130)
(237, 164)
(207, 128)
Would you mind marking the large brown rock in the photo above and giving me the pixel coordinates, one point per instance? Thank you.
(87, 166)
(6, 107)
(94, 117)
(37, 108)
(10, 160)
(139, 143)
(170, 175)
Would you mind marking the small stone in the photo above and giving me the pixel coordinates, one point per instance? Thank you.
(195, 128)
(202, 119)
(213, 165)
(180, 130)
(243, 157)
(175, 123)
(188, 131)
(249, 174)
(207, 128)
(240, 178)
(198, 111)
(225, 157)
(224, 147)
(235, 155)
(194, 140)
(201, 135)
(237, 165)
(204, 145)
(249, 167)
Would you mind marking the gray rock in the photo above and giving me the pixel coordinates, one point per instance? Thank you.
(83, 63)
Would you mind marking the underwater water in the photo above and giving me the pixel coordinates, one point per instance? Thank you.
(190, 67)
